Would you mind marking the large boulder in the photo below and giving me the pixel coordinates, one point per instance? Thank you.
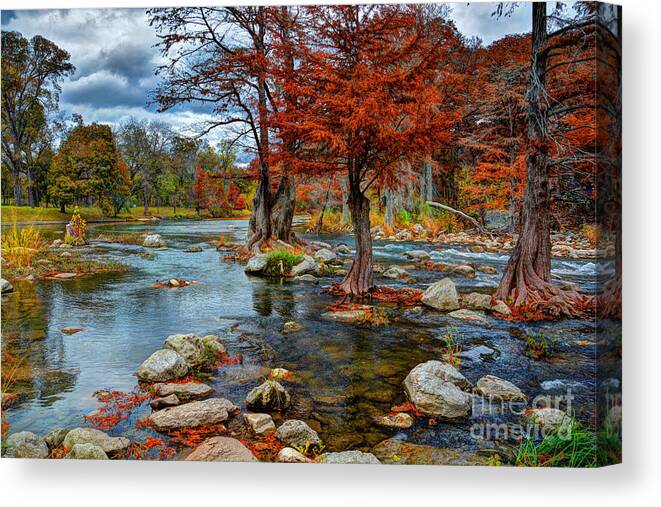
(257, 264)
(184, 392)
(307, 265)
(433, 388)
(221, 449)
(5, 286)
(161, 366)
(260, 424)
(187, 346)
(325, 255)
(297, 434)
(348, 458)
(193, 414)
(495, 388)
(25, 444)
(154, 241)
(109, 445)
(269, 395)
(477, 301)
(86, 451)
(442, 296)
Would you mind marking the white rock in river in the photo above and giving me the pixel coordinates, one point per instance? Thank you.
(260, 424)
(256, 264)
(296, 433)
(110, 445)
(161, 366)
(469, 316)
(307, 265)
(325, 255)
(401, 420)
(153, 241)
(442, 296)
(86, 451)
(25, 444)
(290, 455)
(433, 388)
(348, 458)
(193, 414)
(221, 449)
(496, 388)
(418, 255)
(343, 249)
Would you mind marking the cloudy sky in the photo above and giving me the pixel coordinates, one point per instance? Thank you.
(114, 56)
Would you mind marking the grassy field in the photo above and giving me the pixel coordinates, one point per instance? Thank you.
(21, 214)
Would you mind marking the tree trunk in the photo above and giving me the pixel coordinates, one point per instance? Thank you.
(18, 200)
(527, 277)
(62, 210)
(145, 196)
(359, 281)
(345, 203)
(389, 216)
(282, 211)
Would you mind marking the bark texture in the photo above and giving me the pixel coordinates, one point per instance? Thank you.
(359, 280)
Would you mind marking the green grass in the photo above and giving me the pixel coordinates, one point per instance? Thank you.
(41, 214)
(280, 262)
(575, 449)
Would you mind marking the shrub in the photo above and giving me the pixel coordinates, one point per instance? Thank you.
(280, 262)
(20, 246)
(452, 346)
(537, 345)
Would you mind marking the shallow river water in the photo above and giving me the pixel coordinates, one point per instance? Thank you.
(344, 374)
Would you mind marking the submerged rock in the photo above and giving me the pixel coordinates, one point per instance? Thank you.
(161, 366)
(292, 327)
(193, 414)
(348, 458)
(418, 255)
(270, 395)
(479, 353)
(397, 273)
(260, 424)
(401, 420)
(496, 388)
(153, 241)
(86, 451)
(25, 444)
(296, 433)
(290, 455)
(489, 270)
(306, 278)
(193, 249)
(464, 270)
(306, 266)
(442, 296)
(396, 452)
(433, 388)
(469, 316)
(71, 330)
(349, 316)
(109, 445)
(5, 286)
(221, 449)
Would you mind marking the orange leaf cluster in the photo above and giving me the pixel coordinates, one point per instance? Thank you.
(117, 406)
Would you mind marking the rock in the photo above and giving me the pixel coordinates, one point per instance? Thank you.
(256, 264)
(212, 345)
(187, 346)
(495, 388)
(501, 308)
(489, 270)
(469, 316)
(343, 249)
(55, 437)
(418, 255)
(221, 449)
(348, 458)
(320, 244)
(65, 276)
(479, 353)
(166, 401)
(5, 286)
(110, 445)
(325, 255)
(260, 424)
(289, 455)
(348, 316)
(194, 249)
(25, 444)
(404, 235)
(306, 266)
(464, 270)
(153, 241)
(420, 230)
(442, 296)
(292, 327)
(401, 420)
(268, 396)
(65, 254)
(306, 278)
(396, 452)
(56, 243)
(397, 273)
(550, 420)
(193, 414)
(296, 433)
(173, 282)
(279, 373)
(71, 330)
(161, 366)
(86, 451)
(433, 388)
(476, 301)
(184, 392)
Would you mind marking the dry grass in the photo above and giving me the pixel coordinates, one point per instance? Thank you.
(20, 246)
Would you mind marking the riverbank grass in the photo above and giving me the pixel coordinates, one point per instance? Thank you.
(576, 447)
(280, 262)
